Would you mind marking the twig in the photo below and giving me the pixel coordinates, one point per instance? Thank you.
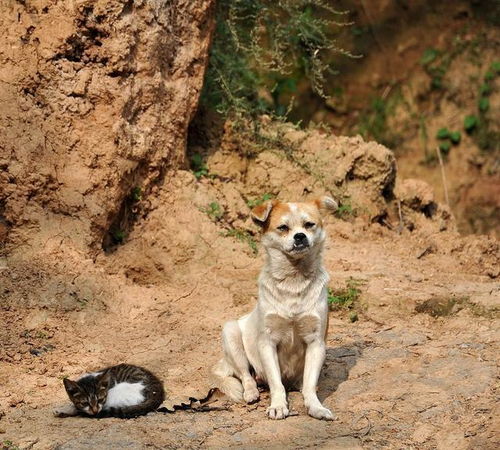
(443, 176)
(401, 225)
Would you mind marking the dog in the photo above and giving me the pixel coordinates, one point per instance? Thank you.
(281, 343)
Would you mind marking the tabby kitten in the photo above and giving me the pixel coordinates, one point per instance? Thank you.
(121, 391)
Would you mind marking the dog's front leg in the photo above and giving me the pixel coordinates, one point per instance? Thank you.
(269, 357)
(315, 356)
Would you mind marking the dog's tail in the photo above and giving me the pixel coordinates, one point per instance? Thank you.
(224, 379)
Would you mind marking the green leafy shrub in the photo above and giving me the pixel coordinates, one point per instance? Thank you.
(261, 46)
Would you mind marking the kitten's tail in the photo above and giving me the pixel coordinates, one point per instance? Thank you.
(222, 378)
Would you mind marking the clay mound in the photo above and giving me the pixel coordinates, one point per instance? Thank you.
(194, 224)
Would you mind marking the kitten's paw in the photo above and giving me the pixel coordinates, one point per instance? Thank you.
(65, 411)
(320, 412)
(251, 394)
(278, 411)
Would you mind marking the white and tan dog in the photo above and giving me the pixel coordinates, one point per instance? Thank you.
(282, 341)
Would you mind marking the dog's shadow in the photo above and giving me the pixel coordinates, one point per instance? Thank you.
(338, 363)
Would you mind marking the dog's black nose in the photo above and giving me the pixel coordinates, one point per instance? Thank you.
(299, 238)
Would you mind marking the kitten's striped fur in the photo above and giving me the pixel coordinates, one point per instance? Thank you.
(121, 391)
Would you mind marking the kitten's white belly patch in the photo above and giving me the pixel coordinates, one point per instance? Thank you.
(124, 394)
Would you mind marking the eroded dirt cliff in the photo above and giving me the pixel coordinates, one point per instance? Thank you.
(96, 100)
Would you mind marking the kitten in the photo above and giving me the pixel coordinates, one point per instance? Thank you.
(121, 391)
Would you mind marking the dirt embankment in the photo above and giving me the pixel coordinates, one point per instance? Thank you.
(426, 66)
(96, 100)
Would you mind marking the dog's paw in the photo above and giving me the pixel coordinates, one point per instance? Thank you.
(251, 394)
(278, 412)
(320, 412)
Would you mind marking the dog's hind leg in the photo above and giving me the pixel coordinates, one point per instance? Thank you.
(235, 356)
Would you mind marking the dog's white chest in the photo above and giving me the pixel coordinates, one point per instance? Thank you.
(292, 331)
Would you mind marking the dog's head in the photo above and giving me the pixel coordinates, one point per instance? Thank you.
(293, 228)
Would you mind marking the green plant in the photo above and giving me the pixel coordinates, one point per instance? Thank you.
(118, 236)
(485, 89)
(455, 137)
(443, 133)
(214, 211)
(136, 194)
(345, 209)
(372, 123)
(447, 138)
(470, 123)
(483, 104)
(9, 445)
(430, 54)
(445, 147)
(344, 298)
(258, 201)
(264, 47)
(243, 236)
(198, 166)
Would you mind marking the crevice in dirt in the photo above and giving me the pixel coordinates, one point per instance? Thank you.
(87, 36)
(128, 213)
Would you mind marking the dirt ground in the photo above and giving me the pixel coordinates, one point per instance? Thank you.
(417, 370)
(110, 253)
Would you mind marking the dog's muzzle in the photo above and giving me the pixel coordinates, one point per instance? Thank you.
(300, 242)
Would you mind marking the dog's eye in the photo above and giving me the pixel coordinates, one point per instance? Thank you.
(283, 228)
(309, 225)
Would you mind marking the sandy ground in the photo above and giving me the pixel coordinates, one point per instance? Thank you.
(396, 378)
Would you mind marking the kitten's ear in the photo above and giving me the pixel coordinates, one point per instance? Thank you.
(260, 213)
(71, 386)
(326, 203)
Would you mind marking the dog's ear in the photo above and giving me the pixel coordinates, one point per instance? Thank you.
(260, 213)
(326, 203)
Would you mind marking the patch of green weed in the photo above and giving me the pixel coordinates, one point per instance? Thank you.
(447, 138)
(118, 236)
(470, 123)
(345, 210)
(9, 445)
(252, 203)
(214, 211)
(479, 128)
(198, 166)
(243, 236)
(136, 194)
(344, 298)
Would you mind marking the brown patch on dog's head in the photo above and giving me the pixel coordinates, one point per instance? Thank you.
(268, 213)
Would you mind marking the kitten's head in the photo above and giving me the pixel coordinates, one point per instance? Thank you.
(89, 393)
